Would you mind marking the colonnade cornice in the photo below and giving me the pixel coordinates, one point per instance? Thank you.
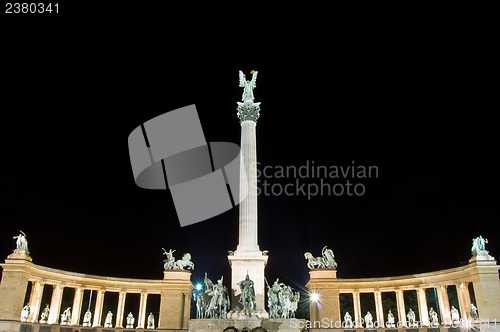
(445, 277)
(46, 275)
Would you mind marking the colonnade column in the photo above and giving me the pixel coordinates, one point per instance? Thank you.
(120, 309)
(464, 299)
(98, 308)
(77, 306)
(357, 309)
(400, 302)
(142, 310)
(35, 301)
(422, 307)
(444, 304)
(55, 304)
(379, 308)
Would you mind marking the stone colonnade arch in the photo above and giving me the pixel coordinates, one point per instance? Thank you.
(19, 273)
(481, 275)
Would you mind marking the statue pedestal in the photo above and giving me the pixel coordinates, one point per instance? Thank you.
(252, 264)
(19, 254)
(270, 325)
(482, 255)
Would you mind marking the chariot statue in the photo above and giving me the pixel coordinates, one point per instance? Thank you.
(326, 261)
(181, 264)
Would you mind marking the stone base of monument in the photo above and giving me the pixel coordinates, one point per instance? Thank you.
(10, 326)
(247, 324)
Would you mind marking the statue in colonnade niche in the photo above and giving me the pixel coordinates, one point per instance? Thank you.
(87, 317)
(433, 317)
(348, 320)
(65, 316)
(455, 315)
(368, 320)
(25, 313)
(130, 321)
(473, 312)
(151, 321)
(390, 319)
(411, 318)
(109, 319)
(45, 314)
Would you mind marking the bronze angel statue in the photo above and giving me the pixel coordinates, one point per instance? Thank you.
(248, 86)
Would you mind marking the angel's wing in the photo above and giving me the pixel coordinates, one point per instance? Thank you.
(242, 79)
(254, 79)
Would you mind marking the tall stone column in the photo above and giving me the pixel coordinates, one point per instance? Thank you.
(120, 309)
(357, 310)
(248, 259)
(379, 308)
(99, 301)
(463, 299)
(35, 301)
(444, 304)
(55, 304)
(77, 306)
(422, 306)
(400, 302)
(142, 310)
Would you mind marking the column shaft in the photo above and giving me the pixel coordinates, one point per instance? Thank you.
(142, 310)
(99, 301)
(357, 309)
(248, 185)
(379, 308)
(55, 304)
(120, 309)
(400, 302)
(444, 304)
(77, 306)
(464, 300)
(36, 301)
(422, 307)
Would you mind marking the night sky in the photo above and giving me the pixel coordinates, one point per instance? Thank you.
(416, 102)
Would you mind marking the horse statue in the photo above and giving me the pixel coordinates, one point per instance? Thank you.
(327, 261)
(213, 302)
(180, 264)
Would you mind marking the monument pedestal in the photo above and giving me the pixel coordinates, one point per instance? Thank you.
(175, 300)
(486, 288)
(270, 325)
(252, 264)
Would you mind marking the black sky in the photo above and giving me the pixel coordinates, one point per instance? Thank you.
(415, 100)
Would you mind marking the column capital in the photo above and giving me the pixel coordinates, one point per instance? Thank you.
(248, 111)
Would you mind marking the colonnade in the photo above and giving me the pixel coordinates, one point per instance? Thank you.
(481, 276)
(443, 304)
(35, 301)
(19, 273)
